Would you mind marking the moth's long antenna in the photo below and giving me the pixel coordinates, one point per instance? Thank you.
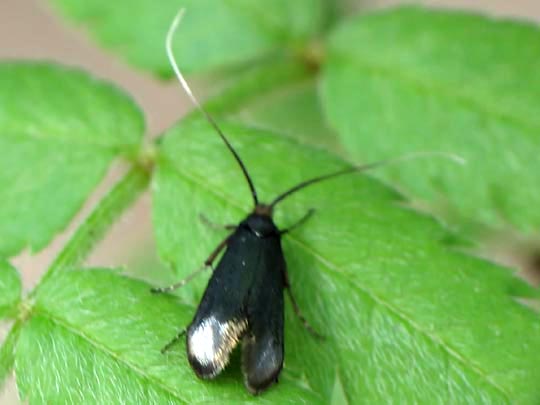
(185, 86)
(363, 168)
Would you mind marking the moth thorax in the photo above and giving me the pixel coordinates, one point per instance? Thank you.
(261, 225)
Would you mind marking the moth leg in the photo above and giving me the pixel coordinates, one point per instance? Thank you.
(213, 225)
(181, 283)
(298, 223)
(298, 313)
(173, 341)
(207, 264)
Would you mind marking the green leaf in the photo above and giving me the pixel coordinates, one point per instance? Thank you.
(95, 337)
(294, 111)
(59, 131)
(410, 79)
(338, 395)
(10, 288)
(257, 83)
(94, 227)
(7, 353)
(406, 318)
(213, 34)
(279, 96)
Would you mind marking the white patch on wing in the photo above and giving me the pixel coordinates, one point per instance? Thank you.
(202, 341)
(212, 341)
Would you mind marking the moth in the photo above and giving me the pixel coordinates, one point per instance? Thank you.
(243, 301)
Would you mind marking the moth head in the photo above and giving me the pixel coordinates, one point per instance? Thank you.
(264, 210)
(261, 225)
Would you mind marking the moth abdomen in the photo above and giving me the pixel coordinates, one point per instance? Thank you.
(210, 342)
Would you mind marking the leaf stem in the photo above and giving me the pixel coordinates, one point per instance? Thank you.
(257, 82)
(250, 85)
(100, 219)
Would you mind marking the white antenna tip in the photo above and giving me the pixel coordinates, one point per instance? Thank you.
(179, 16)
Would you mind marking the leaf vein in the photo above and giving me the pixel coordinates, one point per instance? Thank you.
(444, 92)
(335, 271)
(402, 316)
(103, 348)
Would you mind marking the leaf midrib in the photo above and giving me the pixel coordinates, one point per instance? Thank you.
(334, 271)
(39, 310)
(442, 91)
(400, 315)
(61, 322)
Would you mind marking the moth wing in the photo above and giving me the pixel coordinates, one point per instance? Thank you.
(263, 344)
(221, 320)
(210, 343)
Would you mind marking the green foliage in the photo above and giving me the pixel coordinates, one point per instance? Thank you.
(412, 79)
(10, 288)
(95, 225)
(7, 353)
(294, 111)
(59, 131)
(338, 395)
(407, 317)
(366, 271)
(95, 336)
(242, 30)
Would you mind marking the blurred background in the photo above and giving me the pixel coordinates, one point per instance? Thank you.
(29, 29)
